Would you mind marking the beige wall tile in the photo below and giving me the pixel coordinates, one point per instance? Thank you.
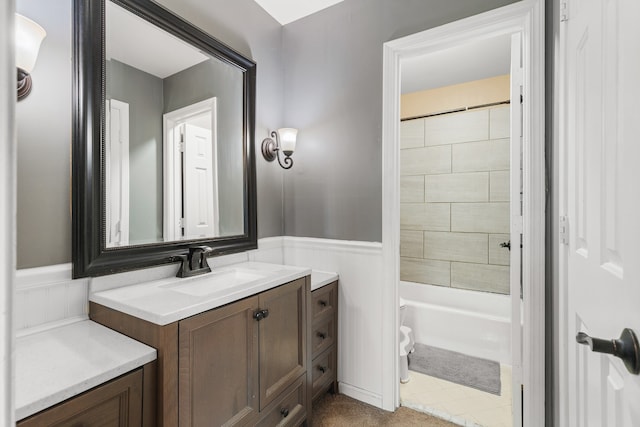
(468, 247)
(481, 156)
(480, 217)
(457, 187)
(456, 127)
(480, 277)
(425, 216)
(498, 255)
(499, 185)
(411, 243)
(425, 271)
(412, 189)
(419, 161)
(499, 122)
(412, 133)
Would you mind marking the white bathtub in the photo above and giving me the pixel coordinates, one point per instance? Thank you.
(469, 322)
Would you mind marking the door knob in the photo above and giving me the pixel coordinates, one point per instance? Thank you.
(625, 347)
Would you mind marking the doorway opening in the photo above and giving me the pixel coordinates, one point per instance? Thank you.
(525, 216)
(456, 231)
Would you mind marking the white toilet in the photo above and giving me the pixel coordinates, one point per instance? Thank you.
(406, 344)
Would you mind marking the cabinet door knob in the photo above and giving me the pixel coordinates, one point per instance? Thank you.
(321, 335)
(322, 303)
(284, 412)
(261, 314)
(322, 369)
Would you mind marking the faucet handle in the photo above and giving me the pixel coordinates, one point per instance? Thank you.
(198, 257)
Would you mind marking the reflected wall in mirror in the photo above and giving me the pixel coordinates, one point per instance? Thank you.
(163, 139)
(173, 170)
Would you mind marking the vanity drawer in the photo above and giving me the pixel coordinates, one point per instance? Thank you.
(323, 371)
(323, 335)
(324, 300)
(288, 410)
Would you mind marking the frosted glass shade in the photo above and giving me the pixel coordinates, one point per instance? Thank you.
(288, 140)
(29, 36)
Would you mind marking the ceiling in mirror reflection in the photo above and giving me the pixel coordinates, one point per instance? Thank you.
(142, 45)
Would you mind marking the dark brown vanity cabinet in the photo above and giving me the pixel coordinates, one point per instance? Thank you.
(241, 364)
(115, 403)
(237, 360)
(323, 337)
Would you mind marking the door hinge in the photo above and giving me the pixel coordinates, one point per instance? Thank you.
(564, 230)
(181, 223)
(564, 11)
(181, 147)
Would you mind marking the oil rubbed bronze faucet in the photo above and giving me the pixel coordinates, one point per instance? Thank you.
(195, 262)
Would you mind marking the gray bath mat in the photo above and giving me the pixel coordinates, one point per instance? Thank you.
(459, 368)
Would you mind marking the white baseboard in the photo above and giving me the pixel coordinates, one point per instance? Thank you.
(360, 394)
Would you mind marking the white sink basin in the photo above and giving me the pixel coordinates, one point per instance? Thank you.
(213, 283)
(171, 299)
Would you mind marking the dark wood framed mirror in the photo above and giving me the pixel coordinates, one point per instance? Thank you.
(163, 139)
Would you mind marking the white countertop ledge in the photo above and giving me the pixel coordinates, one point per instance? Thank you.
(59, 363)
(322, 278)
(172, 299)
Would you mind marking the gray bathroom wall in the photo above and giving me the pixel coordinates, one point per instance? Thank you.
(143, 92)
(43, 126)
(333, 95)
(43, 120)
(217, 79)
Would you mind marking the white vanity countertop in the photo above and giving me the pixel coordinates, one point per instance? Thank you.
(321, 278)
(59, 363)
(168, 300)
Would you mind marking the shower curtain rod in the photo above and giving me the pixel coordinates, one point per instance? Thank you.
(458, 110)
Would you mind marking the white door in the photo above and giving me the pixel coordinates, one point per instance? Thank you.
(117, 173)
(601, 132)
(197, 192)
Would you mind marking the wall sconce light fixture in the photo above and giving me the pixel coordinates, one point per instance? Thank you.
(29, 36)
(283, 140)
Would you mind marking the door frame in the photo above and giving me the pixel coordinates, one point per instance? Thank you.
(526, 17)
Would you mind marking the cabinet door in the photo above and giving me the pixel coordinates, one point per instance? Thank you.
(282, 339)
(117, 403)
(218, 364)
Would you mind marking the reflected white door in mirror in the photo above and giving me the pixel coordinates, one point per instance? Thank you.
(117, 172)
(190, 178)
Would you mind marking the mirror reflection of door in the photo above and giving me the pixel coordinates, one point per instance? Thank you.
(117, 172)
(191, 190)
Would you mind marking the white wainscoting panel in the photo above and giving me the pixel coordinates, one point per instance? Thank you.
(48, 297)
(359, 265)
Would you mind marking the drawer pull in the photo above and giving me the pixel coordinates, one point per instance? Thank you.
(284, 412)
(322, 302)
(321, 335)
(322, 369)
(261, 314)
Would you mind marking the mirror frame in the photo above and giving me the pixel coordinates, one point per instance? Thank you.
(90, 255)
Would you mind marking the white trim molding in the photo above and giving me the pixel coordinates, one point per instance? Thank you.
(525, 17)
(47, 297)
(7, 208)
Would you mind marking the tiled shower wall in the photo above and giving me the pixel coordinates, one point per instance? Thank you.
(455, 200)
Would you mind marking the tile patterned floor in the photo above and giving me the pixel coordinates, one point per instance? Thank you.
(459, 404)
